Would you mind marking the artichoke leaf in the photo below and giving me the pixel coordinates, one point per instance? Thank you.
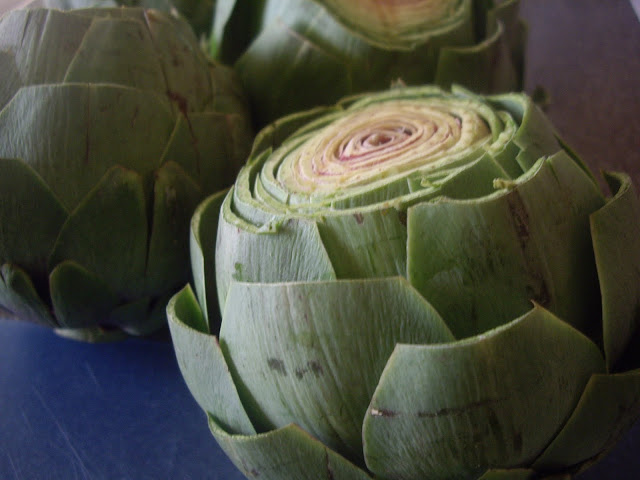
(80, 298)
(20, 297)
(479, 279)
(247, 253)
(366, 244)
(107, 233)
(486, 66)
(491, 387)
(84, 119)
(535, 136)
(607, 408)
(203, 366)
(175, 197)
(107, 54)
(312, 352)
(283, 454)
(11, 81)
(204, 225)
(215, 133)
(615, 230)
(270, 52)
(32, 36)
(23, 198)
(509, 474)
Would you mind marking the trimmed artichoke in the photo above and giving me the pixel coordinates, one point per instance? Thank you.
(415, 284)
(113, 127)
(295, 54)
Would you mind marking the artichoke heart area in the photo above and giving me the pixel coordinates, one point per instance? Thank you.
(465, 313)
(377, 143)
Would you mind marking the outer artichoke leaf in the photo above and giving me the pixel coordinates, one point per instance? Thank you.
(189, 86)
(284, 454)
(214, 134)
(250, 254)
(34, 34)
(84, 119)
(79, 297)
(280, 57)
(536, 137)
(609, 405)
(23, 198)
(234, 23)
(134, 317)
(312, 352)
(107, 233)
(509, 474)
(489, 258)
(19, 296)
(202, 242)
(119, 51)
(203, 366)
(506, 12)
(9, 76)
(473, 181)
(368, 244)
(485, 67)
(176, 196)
(454, 410)
(615, 230)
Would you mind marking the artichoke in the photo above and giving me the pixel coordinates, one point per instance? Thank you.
(113, 127)
(295, 54)
(197, 12)
(414, 284)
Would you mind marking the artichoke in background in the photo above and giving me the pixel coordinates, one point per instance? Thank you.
(295, 54)
(113, 127)
(197, 12)
(415, 284)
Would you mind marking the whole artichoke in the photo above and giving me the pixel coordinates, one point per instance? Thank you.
(295, 54)
(113, 127)
(415, 284)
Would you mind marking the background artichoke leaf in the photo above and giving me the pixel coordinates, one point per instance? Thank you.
(80, 298)
(175, 196)
(107, 233)
(20, 297)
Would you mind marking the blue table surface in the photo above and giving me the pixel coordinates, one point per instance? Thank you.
(70, 410)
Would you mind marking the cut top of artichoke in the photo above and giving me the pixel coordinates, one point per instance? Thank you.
(377, 143)
(401, 23)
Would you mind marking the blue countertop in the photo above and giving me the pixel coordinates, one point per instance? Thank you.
(70, 410)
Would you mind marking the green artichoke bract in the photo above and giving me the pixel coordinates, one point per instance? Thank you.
(295, 54)
(415, 284)
(197, 12)
(113, 127)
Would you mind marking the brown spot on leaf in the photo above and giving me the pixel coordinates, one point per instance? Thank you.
(458, 410)
(277, 365)
(359, 218)
(383, 412)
